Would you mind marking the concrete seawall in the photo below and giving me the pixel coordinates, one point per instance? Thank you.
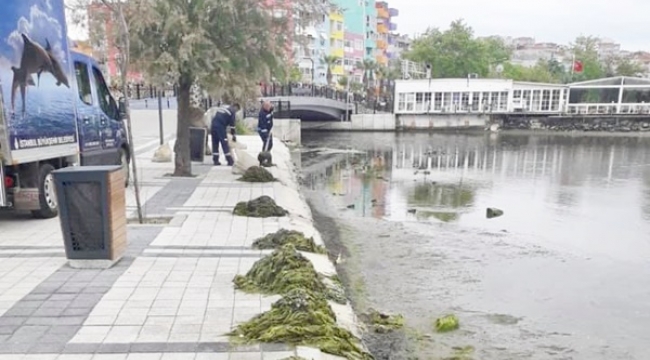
(287, 194)
(583, 123)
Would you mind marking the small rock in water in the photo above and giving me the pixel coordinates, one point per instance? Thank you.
(351, 206)
(493, 212)
(411, 211)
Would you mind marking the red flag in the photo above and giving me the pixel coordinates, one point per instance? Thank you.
(577, 66)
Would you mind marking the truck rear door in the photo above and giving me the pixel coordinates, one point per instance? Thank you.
(88, 121)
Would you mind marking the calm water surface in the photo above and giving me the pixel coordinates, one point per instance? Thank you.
(564, 274)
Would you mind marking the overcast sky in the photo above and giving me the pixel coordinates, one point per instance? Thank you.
(561, 21)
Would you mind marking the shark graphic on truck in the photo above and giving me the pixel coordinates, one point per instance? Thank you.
(34, 60)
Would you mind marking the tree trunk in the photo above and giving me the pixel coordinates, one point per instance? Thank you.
(182, 164)
(124, 70)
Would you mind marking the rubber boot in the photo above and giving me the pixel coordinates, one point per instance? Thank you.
(230, 160)
(215, 160)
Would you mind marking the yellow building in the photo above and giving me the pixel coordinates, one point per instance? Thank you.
(337, 37)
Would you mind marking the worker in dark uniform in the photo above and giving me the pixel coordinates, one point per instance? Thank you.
(224, 118)
(265, 124)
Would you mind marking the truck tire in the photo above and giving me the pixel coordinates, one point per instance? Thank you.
(47, 195)
(125, 161)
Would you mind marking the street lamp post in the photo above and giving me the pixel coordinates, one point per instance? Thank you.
(347, 96)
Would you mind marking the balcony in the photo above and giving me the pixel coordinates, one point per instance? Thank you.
(337, 52)
(338, 70)
(393, 12)
(392, 26)
(382, 29)
(381, 44)
(337, 35)
(381, 59)
(382, 13)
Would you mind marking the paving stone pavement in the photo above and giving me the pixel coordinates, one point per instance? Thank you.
(170, 297)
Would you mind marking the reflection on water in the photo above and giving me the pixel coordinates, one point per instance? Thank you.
(573, 192)
(569, 256)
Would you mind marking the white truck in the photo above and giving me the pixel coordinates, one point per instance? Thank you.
(55, 107)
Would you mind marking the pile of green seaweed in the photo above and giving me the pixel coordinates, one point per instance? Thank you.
(303, 315)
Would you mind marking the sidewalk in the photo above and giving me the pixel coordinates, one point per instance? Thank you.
(171, 296)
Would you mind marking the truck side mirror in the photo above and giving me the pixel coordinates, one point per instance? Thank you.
(121, 105)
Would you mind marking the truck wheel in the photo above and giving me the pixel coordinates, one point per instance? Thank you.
(124, 161)
(47, 194)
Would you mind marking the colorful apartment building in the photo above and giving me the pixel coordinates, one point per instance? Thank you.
(310, 58)
(385, 31)
(337, 38)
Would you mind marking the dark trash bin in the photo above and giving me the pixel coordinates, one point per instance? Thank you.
(92, 211)
(197, 143)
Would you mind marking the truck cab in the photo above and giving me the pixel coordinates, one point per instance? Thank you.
(102, 134)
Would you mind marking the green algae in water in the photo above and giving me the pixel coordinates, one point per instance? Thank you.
(447, 323)
(302, 317)
(283, 237)
(261, 207)
(282, 271)
(257, 174)
(383, 323)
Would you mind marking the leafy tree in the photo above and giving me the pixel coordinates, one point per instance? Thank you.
(224, 46)
(343, 81)
(627, 67)
(541, 72)
(369, 67)
(356, 87)
(585, 50)
(330, 62)
(295, 74)
(456, 52)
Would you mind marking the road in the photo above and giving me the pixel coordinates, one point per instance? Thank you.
(145, 127)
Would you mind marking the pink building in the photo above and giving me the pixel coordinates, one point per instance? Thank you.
(353, 54)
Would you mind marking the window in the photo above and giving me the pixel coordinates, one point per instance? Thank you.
(446, 102)
(106, 101)
(475, 101)
(503, 101)
(427, 102)
(464, 104)
(339, 26)
(347, 43)
(546, 100)
(485, 101)
(437, 102)
(358, 44)
(555, 100)
(536, 105)
(526, 99)
(339, 43)
(401, 102)
(419, 101)
(410, 101)
(83, 82)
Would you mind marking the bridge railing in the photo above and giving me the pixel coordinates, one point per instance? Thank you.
(145, 96)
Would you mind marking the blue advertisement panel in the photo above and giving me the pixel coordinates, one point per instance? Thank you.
(37, 83)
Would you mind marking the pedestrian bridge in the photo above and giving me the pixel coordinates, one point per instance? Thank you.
(308, 108)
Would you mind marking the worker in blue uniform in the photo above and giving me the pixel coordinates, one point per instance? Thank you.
(265, 124)
(225, 117)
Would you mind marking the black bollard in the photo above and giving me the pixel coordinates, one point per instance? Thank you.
(160, 118)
